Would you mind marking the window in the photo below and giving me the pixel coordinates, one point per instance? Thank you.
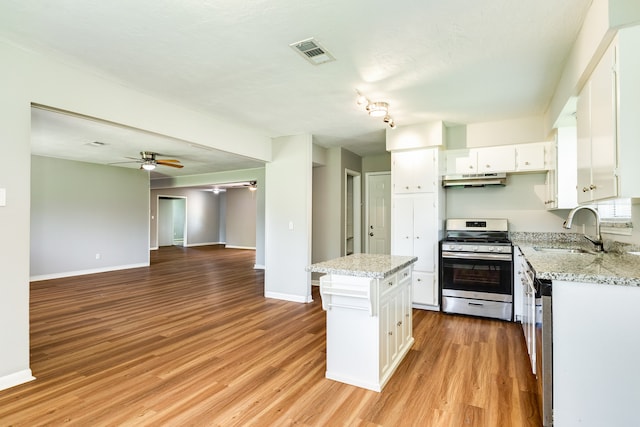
(615, 216)
(618, 210)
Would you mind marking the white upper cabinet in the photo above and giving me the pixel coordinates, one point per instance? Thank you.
(608, 126)
(596, 132)
(496, 159)
(561, 177)
(531, 157)
(502, 158)
(461, 162)
(414, 171)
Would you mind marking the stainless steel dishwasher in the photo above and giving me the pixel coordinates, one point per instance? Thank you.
(544, 350)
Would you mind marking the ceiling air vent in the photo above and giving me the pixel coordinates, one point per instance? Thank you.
(312, 51)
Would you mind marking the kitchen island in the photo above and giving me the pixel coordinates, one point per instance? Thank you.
(367, 298)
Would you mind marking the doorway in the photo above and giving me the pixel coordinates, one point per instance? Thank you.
(352, 219)
(172, 221)
(378, 213)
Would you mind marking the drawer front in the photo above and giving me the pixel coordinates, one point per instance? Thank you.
(404, 275)
(388, 284)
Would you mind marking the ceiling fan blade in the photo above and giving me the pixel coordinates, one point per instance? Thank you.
(168, 160)
(171, 164)
(119, 163)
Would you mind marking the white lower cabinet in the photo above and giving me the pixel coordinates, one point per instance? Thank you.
(595, 354)
(518, 293)
(524, 302)
(369, 326)
(424, 287)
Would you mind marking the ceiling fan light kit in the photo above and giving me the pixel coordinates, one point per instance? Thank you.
(376, 109)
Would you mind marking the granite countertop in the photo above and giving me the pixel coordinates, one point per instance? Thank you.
(363, 265)
(614, 267)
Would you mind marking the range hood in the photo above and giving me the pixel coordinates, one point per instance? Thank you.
(475, 180)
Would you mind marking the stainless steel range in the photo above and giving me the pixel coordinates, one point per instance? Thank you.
(476, 268)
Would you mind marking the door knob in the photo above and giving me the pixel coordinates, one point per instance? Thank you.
(371, 234)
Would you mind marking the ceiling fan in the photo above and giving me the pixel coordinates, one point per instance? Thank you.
(148, 161)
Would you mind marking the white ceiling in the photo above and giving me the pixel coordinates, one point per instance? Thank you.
(65, 136)
(461, 61)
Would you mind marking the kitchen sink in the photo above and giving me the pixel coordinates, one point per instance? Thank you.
(562, 250)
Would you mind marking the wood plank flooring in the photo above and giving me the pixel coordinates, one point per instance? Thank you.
(191, 341)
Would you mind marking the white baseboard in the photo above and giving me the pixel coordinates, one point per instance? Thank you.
(190, 245)
(288, 297)
(83, 272)
(15, 379)
(240, 247)
(259, 267)
(426, 307)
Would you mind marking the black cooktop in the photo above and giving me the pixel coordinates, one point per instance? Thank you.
(477, 237)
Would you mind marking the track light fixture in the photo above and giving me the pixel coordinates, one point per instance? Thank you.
(376, 109)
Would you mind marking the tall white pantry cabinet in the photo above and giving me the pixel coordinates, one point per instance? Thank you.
(417, 212)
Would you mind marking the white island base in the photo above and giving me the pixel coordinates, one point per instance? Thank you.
(369, 318)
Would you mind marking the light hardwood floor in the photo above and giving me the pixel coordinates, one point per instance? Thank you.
(191, 341)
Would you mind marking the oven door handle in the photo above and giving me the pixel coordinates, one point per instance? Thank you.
(477, 255)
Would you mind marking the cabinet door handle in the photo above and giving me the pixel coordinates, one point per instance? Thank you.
(399, 323)
(585, 189)
(487, 166)
(371, 234)
(390, 332)
(526, 163)
(390, 283)
(419, 187)
(592, 187)
(476, 304)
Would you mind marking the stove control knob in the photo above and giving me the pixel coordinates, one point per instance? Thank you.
(474, 248)
(492, 249)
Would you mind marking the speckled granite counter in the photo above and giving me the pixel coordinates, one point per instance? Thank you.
(616, 267)
(363, 265)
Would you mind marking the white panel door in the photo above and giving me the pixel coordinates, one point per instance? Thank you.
(379, 212)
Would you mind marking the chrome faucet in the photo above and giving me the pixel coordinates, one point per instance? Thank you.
(597, 240)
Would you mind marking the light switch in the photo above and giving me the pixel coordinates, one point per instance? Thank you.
(3, 197)
(290, 225)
